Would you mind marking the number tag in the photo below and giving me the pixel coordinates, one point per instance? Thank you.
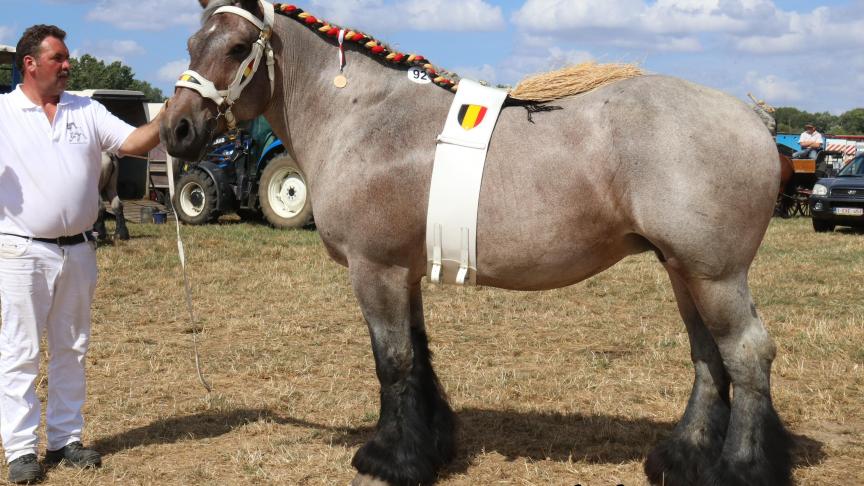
(418, 75)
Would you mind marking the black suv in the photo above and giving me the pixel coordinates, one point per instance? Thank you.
(839, 200)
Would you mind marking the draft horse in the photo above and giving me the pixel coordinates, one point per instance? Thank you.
(622, 169)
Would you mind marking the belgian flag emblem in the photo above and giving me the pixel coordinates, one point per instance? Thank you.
(189, 78)
(471, 116)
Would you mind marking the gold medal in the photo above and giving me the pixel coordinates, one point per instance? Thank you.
(340, 81)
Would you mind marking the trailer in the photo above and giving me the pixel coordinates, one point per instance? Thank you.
(9, 74)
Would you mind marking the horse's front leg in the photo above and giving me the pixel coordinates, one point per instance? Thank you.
(414, 437)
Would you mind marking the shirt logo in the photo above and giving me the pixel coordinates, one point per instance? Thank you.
(74, 134)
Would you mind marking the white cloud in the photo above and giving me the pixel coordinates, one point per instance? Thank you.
(773, 89)
(485, 72)
(663, 16)
(678, 44)
(821, 28)
(6, 34)
(171, 71)
(453, 15)
(537, 54)
(754, 25)
(110, 51)
(558, 15)
(146, 14)
(424, 15)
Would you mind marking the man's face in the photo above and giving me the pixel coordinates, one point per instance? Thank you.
(810, 129)
(50, 68)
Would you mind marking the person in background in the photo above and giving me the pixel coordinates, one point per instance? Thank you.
(50, 151)
(811, 143)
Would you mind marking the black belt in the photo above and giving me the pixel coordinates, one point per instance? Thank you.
(63, 240)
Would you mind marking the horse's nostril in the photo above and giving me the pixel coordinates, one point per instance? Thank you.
(182, 130)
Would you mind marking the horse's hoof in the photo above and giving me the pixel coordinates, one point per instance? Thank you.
(366, 480)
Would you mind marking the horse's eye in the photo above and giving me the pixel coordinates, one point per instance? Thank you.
(239, 50)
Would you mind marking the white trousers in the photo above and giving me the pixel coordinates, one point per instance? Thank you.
(45, 290)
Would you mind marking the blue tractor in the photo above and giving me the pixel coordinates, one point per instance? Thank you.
(247, 172)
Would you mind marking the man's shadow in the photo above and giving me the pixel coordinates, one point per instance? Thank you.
(597, 439)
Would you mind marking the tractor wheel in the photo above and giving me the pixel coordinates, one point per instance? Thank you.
(283, 194)
(195, 199)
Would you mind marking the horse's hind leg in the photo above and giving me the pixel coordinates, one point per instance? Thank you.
(99, 225)
(697, 440)
(756, 450)
(120, 230)
(414, 437)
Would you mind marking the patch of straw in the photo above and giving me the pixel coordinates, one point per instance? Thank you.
(572, 80)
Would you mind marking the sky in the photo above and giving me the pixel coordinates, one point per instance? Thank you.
(790, 53)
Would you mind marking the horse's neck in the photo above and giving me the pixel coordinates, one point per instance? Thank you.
(316, 117)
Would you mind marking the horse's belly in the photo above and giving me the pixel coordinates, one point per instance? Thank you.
(533, 257)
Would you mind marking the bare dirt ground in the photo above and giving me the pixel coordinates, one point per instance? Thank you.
(563, 387)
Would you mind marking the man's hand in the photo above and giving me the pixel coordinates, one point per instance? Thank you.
(144, 138)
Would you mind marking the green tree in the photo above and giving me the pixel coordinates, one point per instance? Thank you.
(853, 122)
(790, 120)
(87, 72)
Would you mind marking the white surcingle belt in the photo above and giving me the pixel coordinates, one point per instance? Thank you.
(260, 49)
(454, 195)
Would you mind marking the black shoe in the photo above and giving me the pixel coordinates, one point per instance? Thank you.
(74, 454)
(25, 470)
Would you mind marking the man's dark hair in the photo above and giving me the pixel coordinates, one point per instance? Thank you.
(31, 40)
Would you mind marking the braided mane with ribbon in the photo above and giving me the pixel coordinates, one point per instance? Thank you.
(540, 88)
(372, 45)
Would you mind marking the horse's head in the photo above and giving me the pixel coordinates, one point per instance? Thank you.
(230, 76)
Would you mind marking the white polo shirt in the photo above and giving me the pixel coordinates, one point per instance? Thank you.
(49, 175)
(811, 137)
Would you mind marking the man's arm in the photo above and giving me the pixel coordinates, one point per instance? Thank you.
(142, 139)
(817, 141)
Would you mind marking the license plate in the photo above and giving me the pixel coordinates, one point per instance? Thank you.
(849, 211)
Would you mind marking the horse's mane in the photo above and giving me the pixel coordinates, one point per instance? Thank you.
(540, 88)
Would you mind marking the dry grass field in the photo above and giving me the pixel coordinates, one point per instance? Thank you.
(550, 388)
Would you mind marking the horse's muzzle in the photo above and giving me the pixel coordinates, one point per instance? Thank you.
(186, 133)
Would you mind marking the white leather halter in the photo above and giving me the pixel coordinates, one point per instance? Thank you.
(226, 97)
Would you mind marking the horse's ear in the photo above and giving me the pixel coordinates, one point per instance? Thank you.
(250, 5)
(203, 3)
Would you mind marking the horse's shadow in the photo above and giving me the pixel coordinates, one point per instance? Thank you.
(597, 439)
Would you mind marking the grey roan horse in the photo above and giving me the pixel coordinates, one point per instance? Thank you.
(108, 195)
(650, 163)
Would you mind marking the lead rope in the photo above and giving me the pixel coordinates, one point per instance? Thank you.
(186, 285)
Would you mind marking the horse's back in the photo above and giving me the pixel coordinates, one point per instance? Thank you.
(646, 163)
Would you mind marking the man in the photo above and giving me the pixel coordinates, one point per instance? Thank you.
(811, 143)
(50, 149)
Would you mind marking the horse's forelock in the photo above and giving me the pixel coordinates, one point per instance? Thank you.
(212, 6)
